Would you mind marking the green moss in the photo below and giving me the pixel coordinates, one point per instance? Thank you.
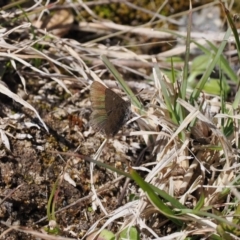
(124, 14)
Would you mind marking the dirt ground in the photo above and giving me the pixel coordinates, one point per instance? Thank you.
(29, 170)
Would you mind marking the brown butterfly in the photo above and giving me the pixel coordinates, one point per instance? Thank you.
(110, 111)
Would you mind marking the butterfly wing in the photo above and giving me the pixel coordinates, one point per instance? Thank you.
(117, 111)
(109, 110)
(98, 117)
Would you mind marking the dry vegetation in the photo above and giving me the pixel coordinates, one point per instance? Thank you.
(170, 173)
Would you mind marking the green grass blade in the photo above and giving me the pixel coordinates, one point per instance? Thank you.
(225, 66)
(175, 203)
(119, 78)
(233, 27)
(167, 95)
(184, 82)
(207, 73)
(153, 197)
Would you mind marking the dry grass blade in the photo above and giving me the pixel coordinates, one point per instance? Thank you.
(225, 143)
(4, 90)
(32, 232)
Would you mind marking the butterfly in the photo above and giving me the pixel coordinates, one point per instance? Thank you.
(110, 111)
